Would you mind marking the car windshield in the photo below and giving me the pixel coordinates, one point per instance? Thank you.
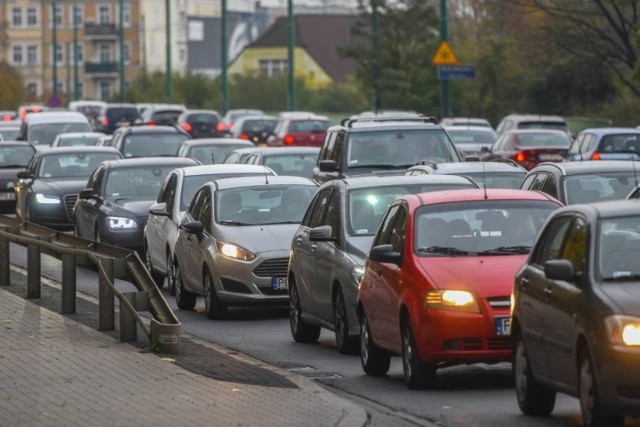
(619, 248)
(542, 125)
(9, 134)
(588, 188)
(468, 136)
(542, 139)
(265, 204)
(191, 184)
(15, 157)
(212, 154)
(400, 148)
(367, 205)
(292, 164)
(141, 182)
(150, 145)
(72, 165)
(77, 141)
(308, 126)
(624, 143)
(491, 227)
(259, 125)
(497, 179)
(166, 117)
(44, 134)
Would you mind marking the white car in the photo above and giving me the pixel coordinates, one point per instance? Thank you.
(175, 194)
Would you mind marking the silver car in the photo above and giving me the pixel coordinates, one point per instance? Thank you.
(165, 215)
(233, 243)
(329, 248)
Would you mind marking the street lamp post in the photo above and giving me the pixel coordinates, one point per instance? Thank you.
(444, 83)
(54, 43)
(121, 36)
(76, 80)
(374, 48)
(291, 56)
(223, 59)
(168, 64)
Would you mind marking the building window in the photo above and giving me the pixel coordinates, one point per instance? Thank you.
(32, 17)
(105, 53)
(59, 17)
(104, 14)
(60, 86)
(272, 67)
(59, 55)
(79, 9)
(32, 89)
(127, 53)
(80, 90)
(32, 55)
(182, 55)
(126, 15)
(16, 17)
(104, 90)
(80, 52)
(17, 55)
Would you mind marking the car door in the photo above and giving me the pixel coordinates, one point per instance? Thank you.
(186, 242)
(563, 304)
(157, 225)
(205, 243)
(84, 227)
(23, 188)
(532, 283)
(89, 209)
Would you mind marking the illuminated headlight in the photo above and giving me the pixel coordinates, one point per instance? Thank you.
(119, 223)
(234, 251)
(46, 199)
(623, 330)
(356, 274)
(453, 300)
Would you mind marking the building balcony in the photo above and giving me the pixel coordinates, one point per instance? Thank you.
(100, 31)
(101, 69)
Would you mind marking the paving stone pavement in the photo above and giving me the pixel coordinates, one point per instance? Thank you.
(55, 371)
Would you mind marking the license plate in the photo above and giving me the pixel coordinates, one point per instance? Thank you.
(503, 326)
(550, 157)
(7, 196)
(279, 283)
(122, 124)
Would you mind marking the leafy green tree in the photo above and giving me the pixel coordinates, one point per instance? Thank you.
(12, 92)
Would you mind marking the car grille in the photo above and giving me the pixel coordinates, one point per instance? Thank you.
(500, 302)
(477, 344)
(233, 286)
(69, 203)
(271, 291)
(502, 343)
(276, 267)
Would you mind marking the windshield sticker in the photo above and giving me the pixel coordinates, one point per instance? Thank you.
(362, 231)
(617, 274)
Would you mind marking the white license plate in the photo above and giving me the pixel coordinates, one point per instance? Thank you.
(7, 196)
(122, 124)
(279, 283)
(503, 326)
(550, 157)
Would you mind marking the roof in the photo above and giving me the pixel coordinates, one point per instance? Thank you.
(321, 36)
(224, 168)
(79, 134)
(16, 144)
(245, 150)
(285, 151)
(74, 150)
(450, 128)
(612, 131)
(461, 167)
(437, 197)
(608, 209)
(218, 141)
(152, 129)
(449, 121)
(213, 112)
(56, 117)
(178, 162)
(538, 130)
(534, 118)
(384, 181)
(592, 166)
(253, 181)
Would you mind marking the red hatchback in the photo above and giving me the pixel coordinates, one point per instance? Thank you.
(299, 130)
(437, 283)
(528, 147)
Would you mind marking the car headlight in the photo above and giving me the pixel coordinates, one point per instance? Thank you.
(453, 300)
(119, 223)
(623, 330)
(234, 251)
(47, 199)
(356, 274)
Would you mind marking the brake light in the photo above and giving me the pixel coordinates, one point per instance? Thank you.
(35, 109)
(520, 157)
(105, 121)
(151, 123)
(595, 156)
(6, 117)
(187, 127)
(23, 114)
(230, 125)
(220, 127)
(244, 136)
(288, 139)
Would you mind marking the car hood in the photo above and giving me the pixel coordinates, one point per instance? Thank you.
(258, 238)
(625, 295)
(358, 247)
(58, 186)
(129, 207)
(487, 276)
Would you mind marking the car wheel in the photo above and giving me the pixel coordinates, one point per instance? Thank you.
(300, 330)
(185, 300)
(592, 414)
(157, 277)
(533, 398)
(417, 375)
(171, 276)
(214, 308)
(346, 344)
(375, 361)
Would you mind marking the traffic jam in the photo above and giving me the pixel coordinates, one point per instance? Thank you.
(444, 243)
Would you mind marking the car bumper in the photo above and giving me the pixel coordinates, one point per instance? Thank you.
(52, 216)
(619, 380)
(126, 238)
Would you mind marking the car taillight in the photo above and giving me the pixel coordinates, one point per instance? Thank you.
(35, 109)
(151, 123)
(220, 127)
(244, 136)
(288, 139)
(6, 117)
(520, 157)
(105, 121)
(187, 127)
(595, 156)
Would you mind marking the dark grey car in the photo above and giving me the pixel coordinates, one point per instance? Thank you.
(330, 246)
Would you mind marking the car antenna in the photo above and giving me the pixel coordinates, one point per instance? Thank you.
(266, 175)
(484, 182)
(580, 151)
(213, 159)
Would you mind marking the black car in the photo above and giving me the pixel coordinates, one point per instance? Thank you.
(115, 116)
(489, 174)
(256, 129)
(148, 141)
(584, 182)
(201, 123)
(14, 157)
(576, 314)
(47, 190)
(294, 161)
(114, 206)
(211, 151)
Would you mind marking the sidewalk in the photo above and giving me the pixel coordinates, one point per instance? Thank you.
(55, 371)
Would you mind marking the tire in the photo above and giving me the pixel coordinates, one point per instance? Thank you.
(300, 330)
(185, 300)
(157, 277)
(346, 344)
(171, 276)
(533, 398)
(215, 309)
(592, 414)
(417, 375)
(374, 360)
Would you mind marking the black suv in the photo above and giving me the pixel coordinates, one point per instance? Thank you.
(114, 116)
(149, 141)
(382, 146)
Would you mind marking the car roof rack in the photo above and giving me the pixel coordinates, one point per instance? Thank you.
(348, 122)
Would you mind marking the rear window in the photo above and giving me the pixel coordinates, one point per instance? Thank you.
(152, 145)
(212, 154)
(122, 114)
(44, 134)
(308, 126)
(624, 143)
(166, 117)
(259, 125)
(466, 136)
(202, 118)
(542, 139)
(542, 125)
(292, 164)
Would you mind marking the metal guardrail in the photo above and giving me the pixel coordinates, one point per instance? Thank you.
(164, 330)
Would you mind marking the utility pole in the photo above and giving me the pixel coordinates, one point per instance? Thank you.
(444, 83)
(76, 81)
(291, 56)
(168, 33)
(224, 54)
(121, 35)
(54, 43)
(68, 73)
(374, 47)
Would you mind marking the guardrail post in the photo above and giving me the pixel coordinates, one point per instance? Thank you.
(128, 326)
(5, 260)
(106, 321)
(33, 271)
(68, 284)
(167, 338)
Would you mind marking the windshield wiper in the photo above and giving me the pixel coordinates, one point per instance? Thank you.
(623, 278)
(447, 250)
(508, 250)
(12, 166)
(231, 222)
(376, 166)
(282, 222)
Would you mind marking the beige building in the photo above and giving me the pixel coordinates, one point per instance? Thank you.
(26, 42)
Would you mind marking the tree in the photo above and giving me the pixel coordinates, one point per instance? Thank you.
(12, 92)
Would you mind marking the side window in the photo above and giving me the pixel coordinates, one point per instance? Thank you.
(325, 153)
(497, 146)
(319, 208)
(575, 247)
(398, 232)
(526, 185)
(170, 193)
(205, 212)
(196, 203)
(383, 236)
(95, 182)
(332, 216)
(310, 209)
(338, 148)
(232, 158)
(550, 246)
(549, 186)
(539, 182)
(163, 189)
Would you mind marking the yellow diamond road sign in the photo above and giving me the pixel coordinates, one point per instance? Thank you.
(444, 55)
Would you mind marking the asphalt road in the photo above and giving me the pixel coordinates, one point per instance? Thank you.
(476, 395)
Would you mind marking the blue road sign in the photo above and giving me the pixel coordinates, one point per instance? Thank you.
(450, 72)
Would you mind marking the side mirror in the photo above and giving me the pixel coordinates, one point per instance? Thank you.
(322, 233)
(385, 253)
(328, 166)
(87, 194)
(193, 227)
(559, 269)
(25, 175)
(159, 209)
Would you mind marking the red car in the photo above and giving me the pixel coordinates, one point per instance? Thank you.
(528, 147)
(299, 130)
(437, 283)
